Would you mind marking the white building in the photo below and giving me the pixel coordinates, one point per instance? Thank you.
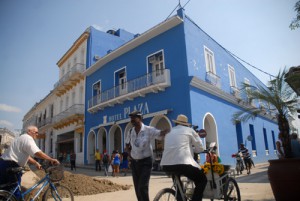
(60, 115)
(6, 136)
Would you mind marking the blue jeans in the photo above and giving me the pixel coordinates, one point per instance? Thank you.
(9, 178)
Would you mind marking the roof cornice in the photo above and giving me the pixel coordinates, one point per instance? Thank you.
(74, 47)
(146, 36)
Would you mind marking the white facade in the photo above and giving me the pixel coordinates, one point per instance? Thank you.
(60, 115)
(6, 136)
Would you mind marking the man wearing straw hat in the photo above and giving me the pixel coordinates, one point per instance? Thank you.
(179, 148)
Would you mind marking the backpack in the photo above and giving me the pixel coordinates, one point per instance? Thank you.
(105, 158)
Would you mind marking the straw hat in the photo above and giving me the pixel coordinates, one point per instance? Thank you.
(182, 120)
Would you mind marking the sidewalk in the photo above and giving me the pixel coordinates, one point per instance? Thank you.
(253, 187)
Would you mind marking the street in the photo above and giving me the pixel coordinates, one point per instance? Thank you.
(252, 187)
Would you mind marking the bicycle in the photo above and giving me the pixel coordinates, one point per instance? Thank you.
(55, 191)
(217, 187)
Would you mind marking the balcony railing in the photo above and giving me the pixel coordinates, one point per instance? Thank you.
(213, 79)
(235, 92)
(77, 68)
(73, 110)
(44, 122)
(151, 82)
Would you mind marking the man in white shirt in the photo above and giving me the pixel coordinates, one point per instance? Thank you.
(19, 153)
(180, 145)
(139, 139)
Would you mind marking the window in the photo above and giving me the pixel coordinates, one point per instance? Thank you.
(121, 81)
(232, 79)
(97, 88)
(266, 141)
(209, 61)
(156, 66)
(61, 106)
(67, 102)
(253, 143)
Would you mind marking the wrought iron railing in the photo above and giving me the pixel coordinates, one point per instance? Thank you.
(153, 78)
(77, 68)
(74, 109)
(213, 79)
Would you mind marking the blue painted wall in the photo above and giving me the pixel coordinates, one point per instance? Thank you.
(183, 50)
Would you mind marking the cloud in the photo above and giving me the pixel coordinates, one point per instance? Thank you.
(8, 108)
(6, 124)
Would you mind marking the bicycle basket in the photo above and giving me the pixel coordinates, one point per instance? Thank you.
(56, 173)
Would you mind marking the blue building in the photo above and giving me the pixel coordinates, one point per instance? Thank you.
(173, 68)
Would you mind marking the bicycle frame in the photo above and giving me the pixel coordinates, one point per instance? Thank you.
(45, 181)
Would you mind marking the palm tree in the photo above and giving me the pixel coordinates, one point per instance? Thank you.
(281, 100)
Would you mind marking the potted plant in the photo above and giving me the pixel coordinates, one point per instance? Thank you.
(281, 101)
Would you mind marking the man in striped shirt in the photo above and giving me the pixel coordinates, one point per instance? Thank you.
(246, 157)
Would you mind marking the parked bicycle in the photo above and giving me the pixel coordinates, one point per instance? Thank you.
(218, 187)
(50, 188)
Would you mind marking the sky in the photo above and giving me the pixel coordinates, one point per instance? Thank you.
(35, 34)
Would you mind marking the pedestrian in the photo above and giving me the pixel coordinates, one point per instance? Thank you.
(106, 162)
(124, 164)
(246, 157)
(97, 160)
(295, 145)
(116, 163)
(139, 139)
(279, 146)
(179, 147)
(73, 160)
(19, 154)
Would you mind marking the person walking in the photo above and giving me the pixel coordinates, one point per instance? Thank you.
(124, 164)
(116, 163)
(73, 160)
(97, 160)
(246, 157)
(179, 148)
(138, 140)
(19, 154)
(279, 147)
(106, 162)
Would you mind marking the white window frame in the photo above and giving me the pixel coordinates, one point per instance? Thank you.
(163, 61)
(209, 60)
(100, 87)
(121, 91)
(231, 73)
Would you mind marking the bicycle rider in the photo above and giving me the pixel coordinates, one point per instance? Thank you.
(178, 155)
(19, 153)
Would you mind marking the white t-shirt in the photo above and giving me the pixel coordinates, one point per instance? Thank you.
(20, 150)
(180, 145)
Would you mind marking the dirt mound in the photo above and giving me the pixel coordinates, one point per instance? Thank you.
(85, 185)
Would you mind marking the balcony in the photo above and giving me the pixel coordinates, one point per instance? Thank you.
(213, 79)
(44, 122)
(73, 114)
(70, 79)
(235, 92)
(149, 83)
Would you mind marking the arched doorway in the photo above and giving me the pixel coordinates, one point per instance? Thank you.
(160, 122)
(209, 124)
(101, 145)
(91, 147)
(115, 138)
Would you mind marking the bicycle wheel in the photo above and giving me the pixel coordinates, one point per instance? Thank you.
(7, 196)
(58, 194)
(231, 191)
(166, 194)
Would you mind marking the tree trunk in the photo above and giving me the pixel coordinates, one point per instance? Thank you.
(284, 128)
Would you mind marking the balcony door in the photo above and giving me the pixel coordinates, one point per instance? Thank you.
(121, 82)
(156, 62)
